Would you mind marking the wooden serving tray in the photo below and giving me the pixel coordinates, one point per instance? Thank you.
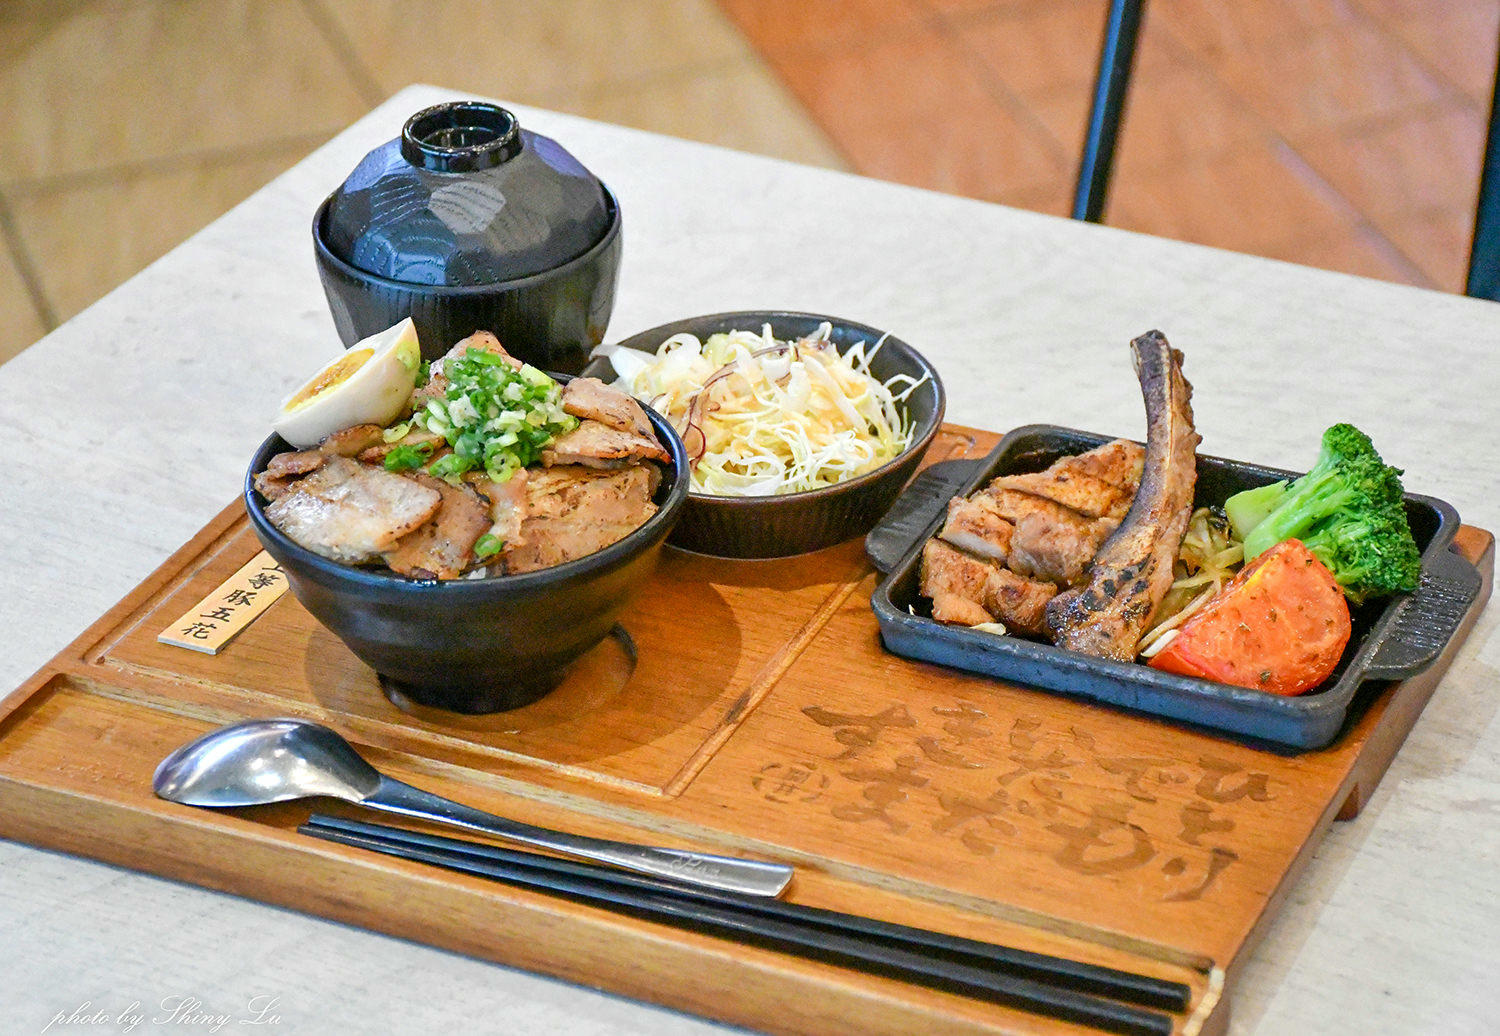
(746, 708)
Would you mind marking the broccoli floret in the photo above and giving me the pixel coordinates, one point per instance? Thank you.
(1347, 510)
(1246, 510)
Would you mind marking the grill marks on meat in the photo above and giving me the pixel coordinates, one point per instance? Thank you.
(1118, 463)
(444, 547)
(350, 442)
(1018, 602)
(1133, 570)
(1089, 496)
(352, 512)
(574, 510)
(977, 528)
(1006, 551)
(968, 590)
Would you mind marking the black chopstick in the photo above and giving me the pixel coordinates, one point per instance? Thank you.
(1060, 971)
(807, 931)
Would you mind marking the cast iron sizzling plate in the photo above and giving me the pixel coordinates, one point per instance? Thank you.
(1392, 639)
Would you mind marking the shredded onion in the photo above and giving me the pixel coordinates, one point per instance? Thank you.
(761, 417)
(1208, 559)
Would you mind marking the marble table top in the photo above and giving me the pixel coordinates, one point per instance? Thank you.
(126, 429)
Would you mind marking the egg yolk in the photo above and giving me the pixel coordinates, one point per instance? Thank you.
(330, 376)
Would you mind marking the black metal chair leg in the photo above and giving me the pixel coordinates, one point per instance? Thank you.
(1484, 256)
(1116, 60)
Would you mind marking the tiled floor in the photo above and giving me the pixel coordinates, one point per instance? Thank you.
(1339, 133)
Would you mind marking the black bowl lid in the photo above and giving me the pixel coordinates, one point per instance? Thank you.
(465, 197)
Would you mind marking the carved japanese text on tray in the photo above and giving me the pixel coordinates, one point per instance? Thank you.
(1005, 785)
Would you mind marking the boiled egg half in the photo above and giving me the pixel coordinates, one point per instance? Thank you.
(370, 383)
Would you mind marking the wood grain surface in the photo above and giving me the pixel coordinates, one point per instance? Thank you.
(745, 707)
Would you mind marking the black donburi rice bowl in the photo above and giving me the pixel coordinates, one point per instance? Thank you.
(474, 645)
(796, 523)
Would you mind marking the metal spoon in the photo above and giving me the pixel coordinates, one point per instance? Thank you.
(276, 760)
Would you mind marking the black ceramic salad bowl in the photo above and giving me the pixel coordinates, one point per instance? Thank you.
(474, 645)
(796, 523)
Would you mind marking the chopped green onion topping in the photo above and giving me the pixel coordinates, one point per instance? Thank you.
(408, 456)
(488, 545)
(494, 416)
(450, 466)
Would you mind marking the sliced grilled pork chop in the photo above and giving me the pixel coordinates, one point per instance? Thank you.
(1133, 570)
(1118, 463)
(1062, 514)
(1089, 496)
(352, 512)
(1018, 602)
(955, 581)
(968, 590)
(1051, 541)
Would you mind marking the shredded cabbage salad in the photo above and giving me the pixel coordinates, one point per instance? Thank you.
(761, 417)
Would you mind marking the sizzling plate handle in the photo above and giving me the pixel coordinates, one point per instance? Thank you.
(915, 509)
(1428, 619)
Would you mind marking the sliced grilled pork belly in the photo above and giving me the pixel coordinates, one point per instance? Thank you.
(1133, 570)
(1018, 602)
(600, 446)
(302, 462)
(284, 469)
(507, 505)
(591, 399)
(444, 546)
(352, 512)
(975, 527)
(349, 442)
(574, 510)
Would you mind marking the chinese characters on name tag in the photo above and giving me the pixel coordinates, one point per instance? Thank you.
(213, 621)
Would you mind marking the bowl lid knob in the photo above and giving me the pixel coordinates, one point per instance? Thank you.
(461, 137)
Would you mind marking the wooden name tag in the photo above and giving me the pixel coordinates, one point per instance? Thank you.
(213, 621)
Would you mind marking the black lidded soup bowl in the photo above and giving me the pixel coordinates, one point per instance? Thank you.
(797, 523)
(475, 645)
(468, 222)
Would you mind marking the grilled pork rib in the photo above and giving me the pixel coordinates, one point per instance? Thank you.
(1133, 569)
